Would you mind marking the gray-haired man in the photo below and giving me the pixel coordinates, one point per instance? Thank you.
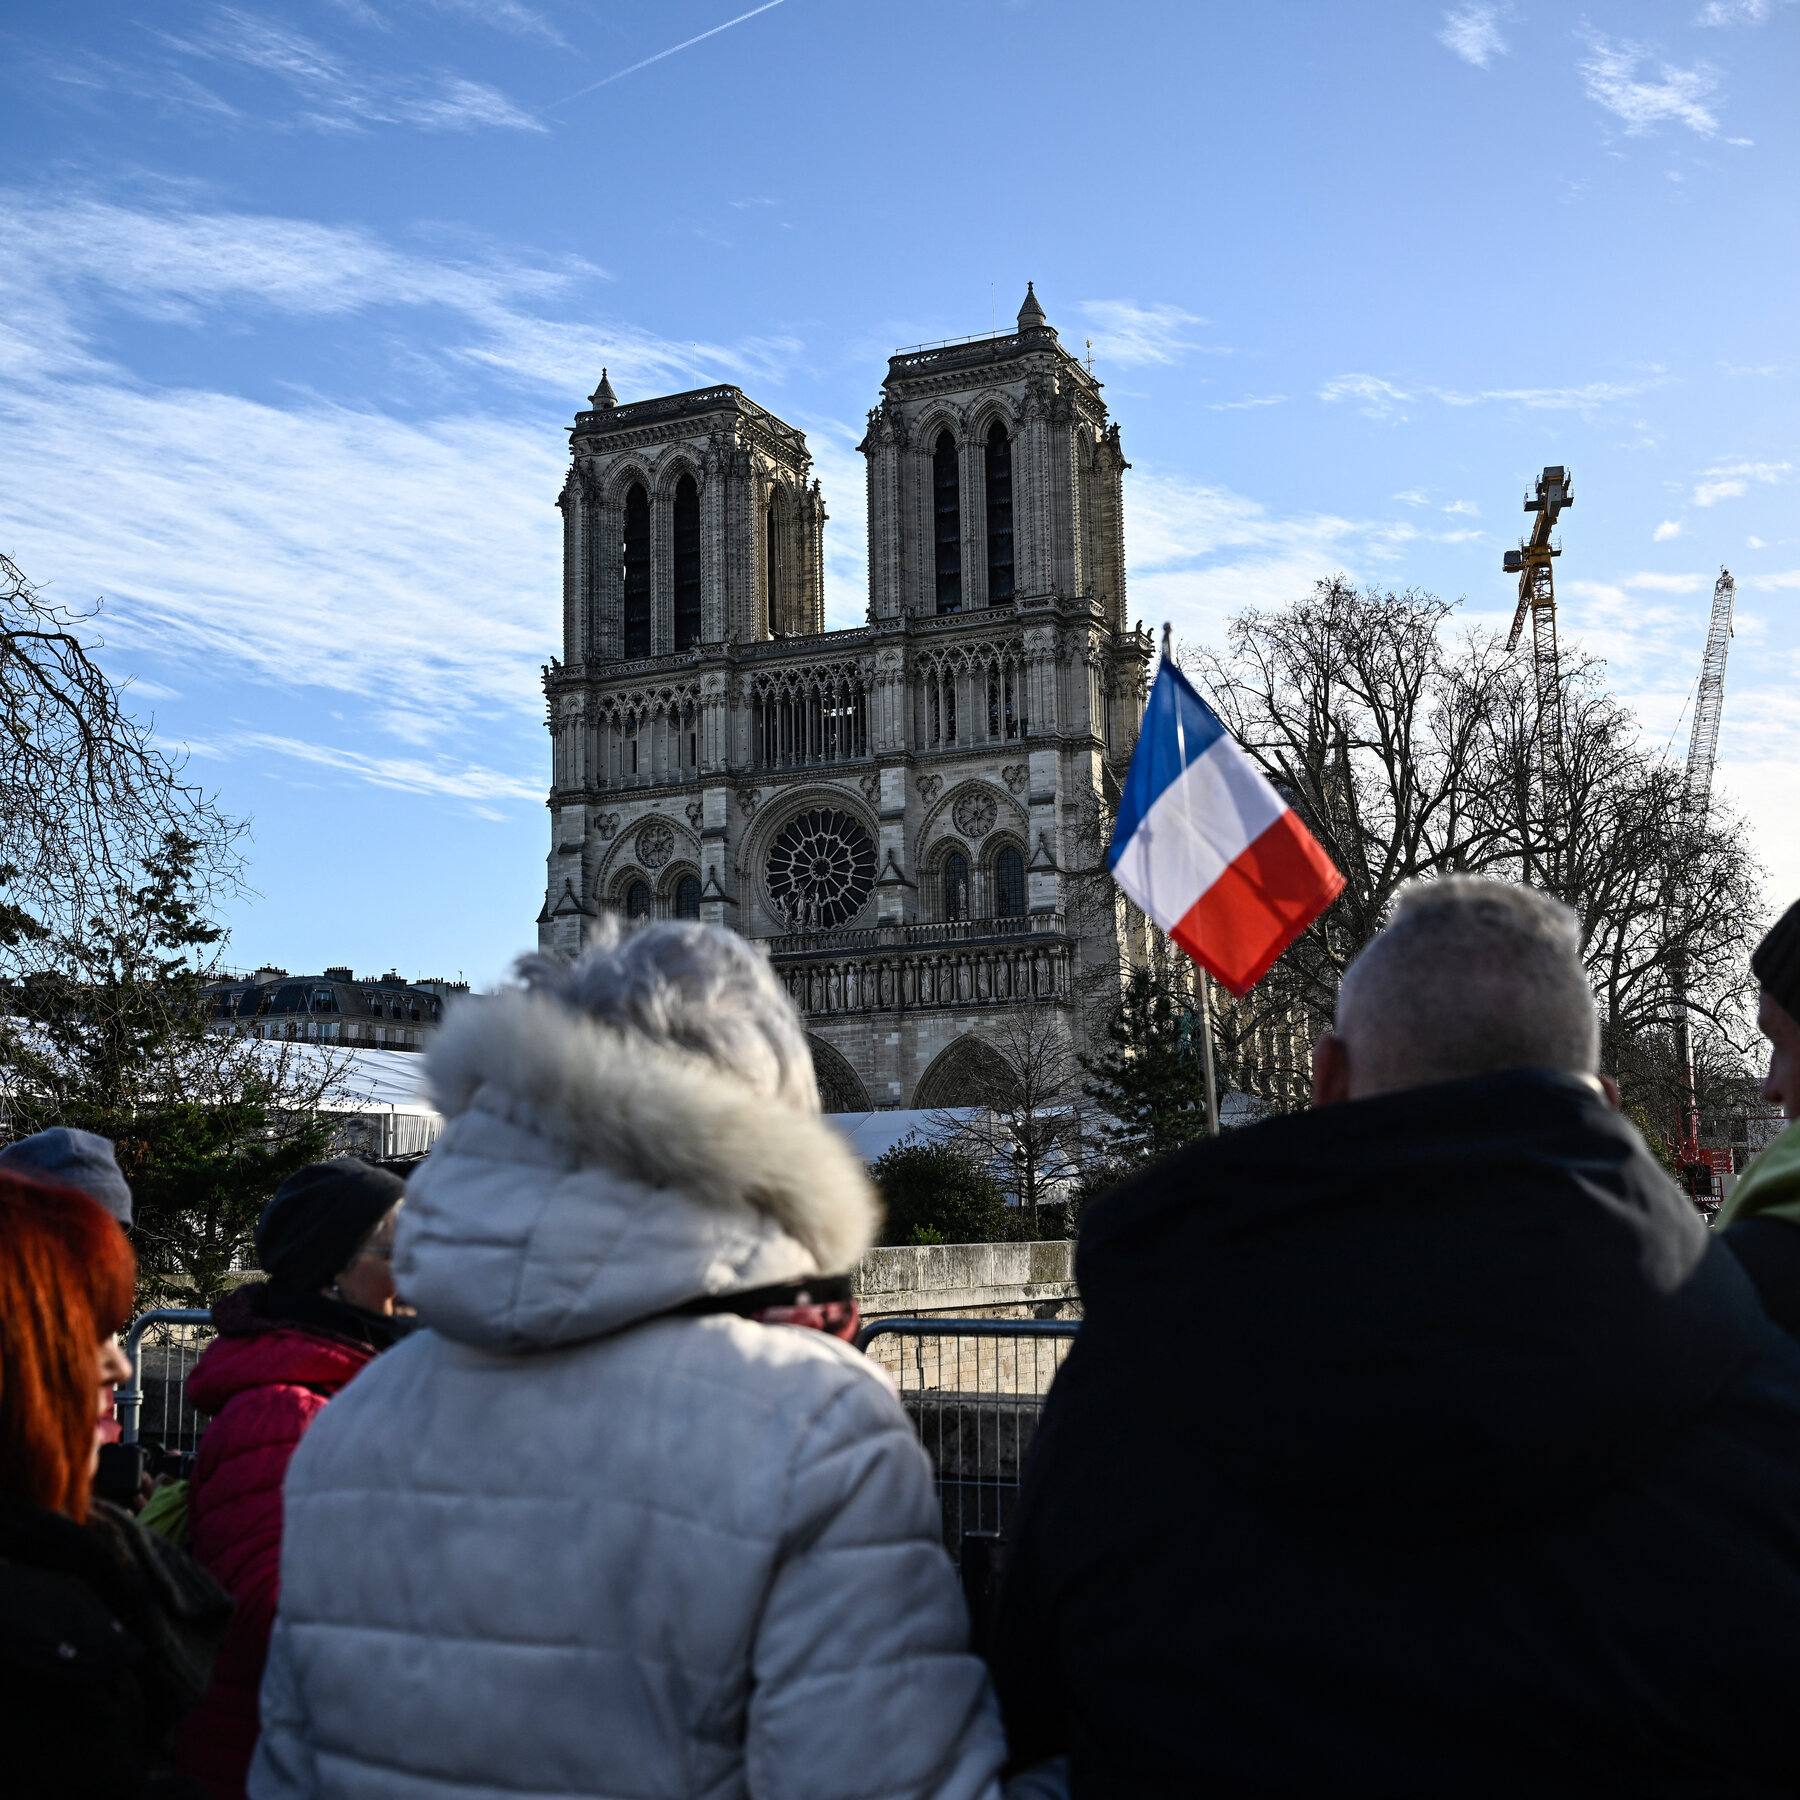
(1424, 1443)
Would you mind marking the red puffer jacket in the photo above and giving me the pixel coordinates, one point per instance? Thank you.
(265, 1379)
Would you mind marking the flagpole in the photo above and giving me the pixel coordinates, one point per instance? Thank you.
(1206, 1045)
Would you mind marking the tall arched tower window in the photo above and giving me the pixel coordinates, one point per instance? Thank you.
(687, 563)
(956, 885)
(1009, 884)
(946, 506)
(687, 897)
(637, 900)
(637, 572)
(999, 516)
(776, 549)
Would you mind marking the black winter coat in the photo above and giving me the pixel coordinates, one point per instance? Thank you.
(107, 1637)
(1421, 1446)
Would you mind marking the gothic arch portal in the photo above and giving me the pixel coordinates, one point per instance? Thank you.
(968, 1073)
(840, 1088)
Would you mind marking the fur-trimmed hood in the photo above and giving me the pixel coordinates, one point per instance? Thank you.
(589, 1178)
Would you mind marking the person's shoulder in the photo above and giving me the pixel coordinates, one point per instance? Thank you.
(788, 1356)
(54, 1624)
(1770, 1185)
(795, 1376)
(1764, 1397)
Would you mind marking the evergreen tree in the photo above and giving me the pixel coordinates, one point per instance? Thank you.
(1148, 1087)
(108, 1033)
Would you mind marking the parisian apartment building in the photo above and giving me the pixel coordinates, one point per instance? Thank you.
(371, 1012)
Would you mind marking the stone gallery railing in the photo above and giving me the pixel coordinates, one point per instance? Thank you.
(907, 937)
(975, 962)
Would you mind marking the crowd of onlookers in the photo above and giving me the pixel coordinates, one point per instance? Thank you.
(1423, 1443)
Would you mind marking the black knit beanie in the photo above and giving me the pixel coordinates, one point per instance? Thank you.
(319, 1218)
(1776, 963)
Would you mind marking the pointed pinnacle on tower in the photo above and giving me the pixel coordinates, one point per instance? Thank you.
(1031, 313)
(603, 399)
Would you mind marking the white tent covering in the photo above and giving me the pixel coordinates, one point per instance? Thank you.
(385, 1090)
(381, 1096)
(872, 1134)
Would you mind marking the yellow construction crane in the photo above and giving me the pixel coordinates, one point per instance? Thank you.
(1537, 596)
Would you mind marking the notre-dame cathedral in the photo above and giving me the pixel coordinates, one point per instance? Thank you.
(899, 812)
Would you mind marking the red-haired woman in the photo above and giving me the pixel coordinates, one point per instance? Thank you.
(107, 1633)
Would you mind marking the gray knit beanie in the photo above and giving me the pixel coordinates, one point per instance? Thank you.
(77, 1159)
(1776, 962)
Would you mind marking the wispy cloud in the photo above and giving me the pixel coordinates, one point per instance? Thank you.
(1467, 507)
(337, 97)
(176, 264)
(441, 776)
(1614, 72)
(673, 49)
(1736, 12)
(1732, 481)
(90, 76)
(1773, 583)
(1248, 402)
(1567, 399)
(1377, 399)
(1657, 583)
(1201, 553)
(1669, 528)
(1382, 399)
(1473, 33)
(510, 16)
(1131, 335)
(406, 563)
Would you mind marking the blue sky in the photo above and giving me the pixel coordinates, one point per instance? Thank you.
(299, 297)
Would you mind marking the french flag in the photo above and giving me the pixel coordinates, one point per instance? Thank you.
(1207, 847)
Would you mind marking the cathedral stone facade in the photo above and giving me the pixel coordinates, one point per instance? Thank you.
(901, 812)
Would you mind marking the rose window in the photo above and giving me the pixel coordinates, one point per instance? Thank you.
(821, 869)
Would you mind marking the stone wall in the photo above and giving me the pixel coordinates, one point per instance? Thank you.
(994, 1281)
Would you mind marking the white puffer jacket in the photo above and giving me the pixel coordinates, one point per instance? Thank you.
(556, 1545)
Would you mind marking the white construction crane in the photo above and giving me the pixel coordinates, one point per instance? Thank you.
(1709, 702)
(1696, 797)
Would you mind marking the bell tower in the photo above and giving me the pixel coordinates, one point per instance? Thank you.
(994, 477)
(687, 520)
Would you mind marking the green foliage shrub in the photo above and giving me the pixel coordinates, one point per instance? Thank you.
(937, 1194)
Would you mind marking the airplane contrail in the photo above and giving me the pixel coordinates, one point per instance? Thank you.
(620, 74)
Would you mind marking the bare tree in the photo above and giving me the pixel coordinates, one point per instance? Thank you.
(85, 795)
(109, 866)
(1030, 1109)
(1412, 751)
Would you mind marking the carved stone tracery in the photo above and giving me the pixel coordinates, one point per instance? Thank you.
(974, 812)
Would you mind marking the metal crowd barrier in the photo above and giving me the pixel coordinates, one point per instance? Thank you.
(163, 1346)
(974, 1390)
